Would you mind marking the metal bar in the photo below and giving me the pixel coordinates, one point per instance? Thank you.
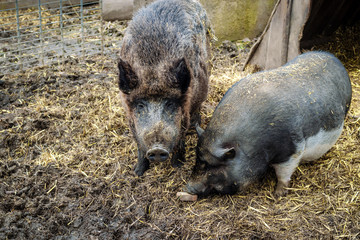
(8, 32)
(23, 49)
(79, 50)
(28, 6)
(54, 30)
(91, 22)
(32, 27)
(75, 18)
(12, 23)
(28, 12)
(82, 25)
(50, 2)
(16, 64)
(85, 43)
(86, 16)
(25, 35)
(9, 9)
(72, 52)
(1, 18)
(34, 33)
(101, 29)
(62, 31)
(18, 29)
(46, 30)
(57, 33)
(41, 37)
(75, 12)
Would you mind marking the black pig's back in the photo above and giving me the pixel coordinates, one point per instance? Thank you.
(278, 108)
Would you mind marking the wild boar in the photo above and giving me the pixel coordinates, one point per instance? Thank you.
(163, 77)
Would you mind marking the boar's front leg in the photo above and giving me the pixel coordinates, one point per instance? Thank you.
(195, 118)
(143, 163)
(178, 157)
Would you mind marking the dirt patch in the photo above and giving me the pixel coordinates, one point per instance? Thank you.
(42, 202)
(67, 158)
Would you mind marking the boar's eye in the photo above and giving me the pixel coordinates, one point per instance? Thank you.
(171, 105)
(140, 105)
(229, 154)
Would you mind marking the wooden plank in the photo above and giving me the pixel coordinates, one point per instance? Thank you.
(300, 14)
(286, 31)
(115, 10)
(280, 40)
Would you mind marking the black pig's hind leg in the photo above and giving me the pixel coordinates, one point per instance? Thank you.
(284, 171)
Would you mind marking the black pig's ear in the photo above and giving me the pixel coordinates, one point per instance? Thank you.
(199, 130)
(127, 78)
(182, 74)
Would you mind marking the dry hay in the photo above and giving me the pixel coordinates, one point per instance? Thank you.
(72, 118)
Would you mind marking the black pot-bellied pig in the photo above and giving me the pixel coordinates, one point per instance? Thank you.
(163, 77)
(277, 118)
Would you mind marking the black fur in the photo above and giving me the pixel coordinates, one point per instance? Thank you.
(265, 115)
(127, 78)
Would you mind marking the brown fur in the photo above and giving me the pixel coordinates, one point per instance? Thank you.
(150, 57)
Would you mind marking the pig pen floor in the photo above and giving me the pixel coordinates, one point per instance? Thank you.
(66, 168)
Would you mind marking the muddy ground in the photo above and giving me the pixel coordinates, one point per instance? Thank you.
(67, 158)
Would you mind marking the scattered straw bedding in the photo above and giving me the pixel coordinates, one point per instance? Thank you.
(67, 161)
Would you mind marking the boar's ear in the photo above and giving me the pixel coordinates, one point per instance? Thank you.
(127, 78)
(182, 74)
(199, 130)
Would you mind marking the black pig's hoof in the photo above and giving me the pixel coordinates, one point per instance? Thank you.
(281, 189)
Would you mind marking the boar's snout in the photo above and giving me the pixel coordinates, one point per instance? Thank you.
(157, 154)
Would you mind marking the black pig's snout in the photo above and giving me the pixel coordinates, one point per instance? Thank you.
(157, 154)
(196, 188)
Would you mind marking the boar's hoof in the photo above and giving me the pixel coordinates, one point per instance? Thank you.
(178, 159)
(176, 163)
(157, 154)
(141, 167)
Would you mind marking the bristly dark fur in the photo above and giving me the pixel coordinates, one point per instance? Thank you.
(164, 55)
